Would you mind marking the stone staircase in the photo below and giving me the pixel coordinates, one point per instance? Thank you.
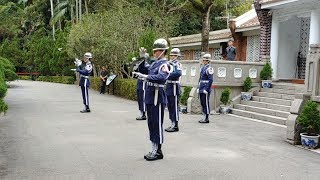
(272, 105)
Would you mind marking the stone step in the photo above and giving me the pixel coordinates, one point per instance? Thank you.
(263, 117)
(275, 95)
(267, 105)
(272, 100)
(285, 88)
(280, 91)
(262, 110)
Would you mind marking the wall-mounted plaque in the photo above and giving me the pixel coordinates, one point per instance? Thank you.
(253, 73)
(222, 72)
(193, 71)
(184, 71)
(237, 72)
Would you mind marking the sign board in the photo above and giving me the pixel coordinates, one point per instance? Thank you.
(110, 79)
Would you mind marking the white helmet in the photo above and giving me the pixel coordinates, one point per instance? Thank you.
(206, 57)
(88, 55)
(175, 52)
(160, 44)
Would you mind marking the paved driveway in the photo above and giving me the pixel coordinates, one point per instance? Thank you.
(43, 136)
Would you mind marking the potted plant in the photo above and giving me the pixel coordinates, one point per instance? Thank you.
(225, 100)
(265, 76)
(309, 119)
(247, 85)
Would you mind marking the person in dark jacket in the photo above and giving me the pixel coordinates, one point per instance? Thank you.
(231, 51)
(103, 76)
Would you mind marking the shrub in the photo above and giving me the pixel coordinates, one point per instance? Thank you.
(3, 106)
(8, 69)
(225, 96)
(247, 84)
(309, 118)
(57, 79)
(185, 95)
(24, 77)
(126, 88)
(266, 72)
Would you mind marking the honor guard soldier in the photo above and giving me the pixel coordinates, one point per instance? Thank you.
(204, 88)
(156, 98)
(142, 68)
(85, 73)
(173, 90)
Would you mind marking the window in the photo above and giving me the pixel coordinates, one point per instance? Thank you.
(253, 48)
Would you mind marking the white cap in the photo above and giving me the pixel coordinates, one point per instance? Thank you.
(88, 55)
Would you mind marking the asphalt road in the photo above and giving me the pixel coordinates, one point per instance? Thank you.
(43, 136)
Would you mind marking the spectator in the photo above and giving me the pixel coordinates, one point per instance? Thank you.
(103, 76)
(231, 51)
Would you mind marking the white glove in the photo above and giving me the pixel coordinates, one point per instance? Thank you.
(197, 91)
(73, 69)
(142, 52)
(204, 91)
(77, 62)
(140, 75)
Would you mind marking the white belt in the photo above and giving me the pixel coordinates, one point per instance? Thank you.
(85, 76)
(156, 91)
(155, 85)
(173, 82)
(141, 78)
(204, 81)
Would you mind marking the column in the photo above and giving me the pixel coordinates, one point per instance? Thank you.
(315, 27)
(274, 50)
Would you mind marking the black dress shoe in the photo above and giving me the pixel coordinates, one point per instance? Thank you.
(172, 129)
(204, 121)
(141, 118)
(85, 111)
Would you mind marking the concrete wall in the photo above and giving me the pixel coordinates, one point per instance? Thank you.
(193, 66)
(289, 46)
(235, 83)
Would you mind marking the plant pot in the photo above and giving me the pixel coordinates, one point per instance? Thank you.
(266, 83)
(309, 141)
(246, 96)
(224, 109)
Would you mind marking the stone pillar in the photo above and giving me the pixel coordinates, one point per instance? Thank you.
(265, 19)
(315, 27)
(274, 48)
(313, 72)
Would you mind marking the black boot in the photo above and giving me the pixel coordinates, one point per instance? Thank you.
(143, 117)
(86, 110)
(175, 128)
(154, 156)
(206, 120)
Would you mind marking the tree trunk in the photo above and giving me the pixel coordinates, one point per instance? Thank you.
(59, 23)
(77, 11)
(86, 6)
(80, 10)
(53, 27)
(72, 13)
(205, 31)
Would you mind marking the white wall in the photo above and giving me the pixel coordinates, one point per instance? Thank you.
(289, 45)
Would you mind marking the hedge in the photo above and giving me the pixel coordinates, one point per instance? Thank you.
(125, 88)
(57, 79)
(25, 78)
(7, 73)
(185, 95)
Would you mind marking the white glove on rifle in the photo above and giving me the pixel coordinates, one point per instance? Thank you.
(140, 75)
(142, 52)
(204, 91)
(77, 62)
(197, 91)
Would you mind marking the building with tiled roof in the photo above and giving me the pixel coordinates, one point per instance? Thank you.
(246, 38)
